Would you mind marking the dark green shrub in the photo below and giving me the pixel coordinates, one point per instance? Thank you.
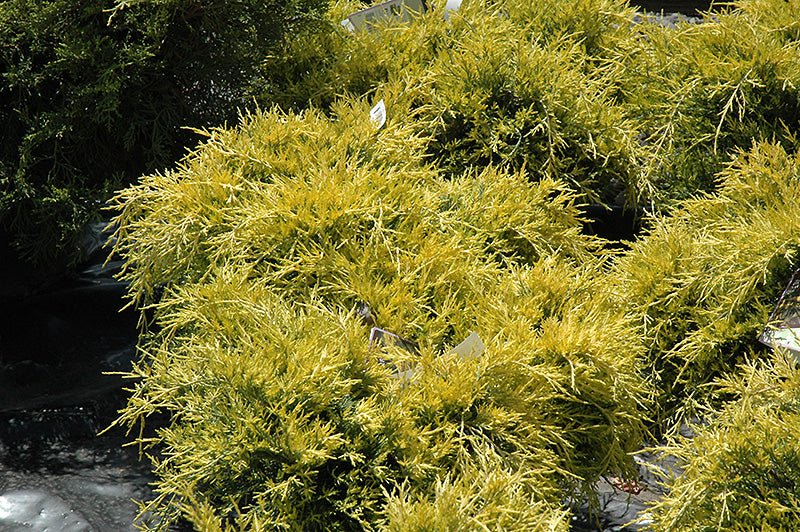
(741, 472)
(705, 278)
(93, 93)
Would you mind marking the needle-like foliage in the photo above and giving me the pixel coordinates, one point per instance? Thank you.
(741, 472)
(493, 84)
(699, 92)
(95, 92)
(268, 255)
(705, 279)
(282, 416)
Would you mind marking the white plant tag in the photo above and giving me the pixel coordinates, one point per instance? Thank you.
(399, 10)
(451, 5)
(348, 25)
(405, 376)
(378, 336)
(403, 373)
(378, 114)
(471, 347)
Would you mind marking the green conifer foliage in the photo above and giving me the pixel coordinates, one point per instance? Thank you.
(95, 92)
(283, 415)
(705, 279)
(741, 472)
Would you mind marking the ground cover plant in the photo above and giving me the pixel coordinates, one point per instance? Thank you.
(699, 92)
(493, 84)
(705, 279)
(264, 260)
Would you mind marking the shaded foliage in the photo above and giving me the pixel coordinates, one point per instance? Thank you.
(93, 93)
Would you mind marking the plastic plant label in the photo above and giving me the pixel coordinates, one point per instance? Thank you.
(400, 10)
(363, 311)
(451, 5)
(383, 337)
(378, 114)
(783, 329)
(405, 376)
(471, 347)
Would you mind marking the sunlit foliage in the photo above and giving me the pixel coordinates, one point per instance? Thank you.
(741, 472)
(705, 279)
(263, 260)
(267, 243)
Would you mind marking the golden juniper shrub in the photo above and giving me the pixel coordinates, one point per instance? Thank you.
(774, 16)
(557, 326)
(316, 428)
(325, 61)
(316, 205)
(598, 26)
(699, 92)
(705, 278)
(283, 416)
(446, 508)
(269, 253)
(486, 86)
(250, 188)
(741, 471)
(495, 100)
